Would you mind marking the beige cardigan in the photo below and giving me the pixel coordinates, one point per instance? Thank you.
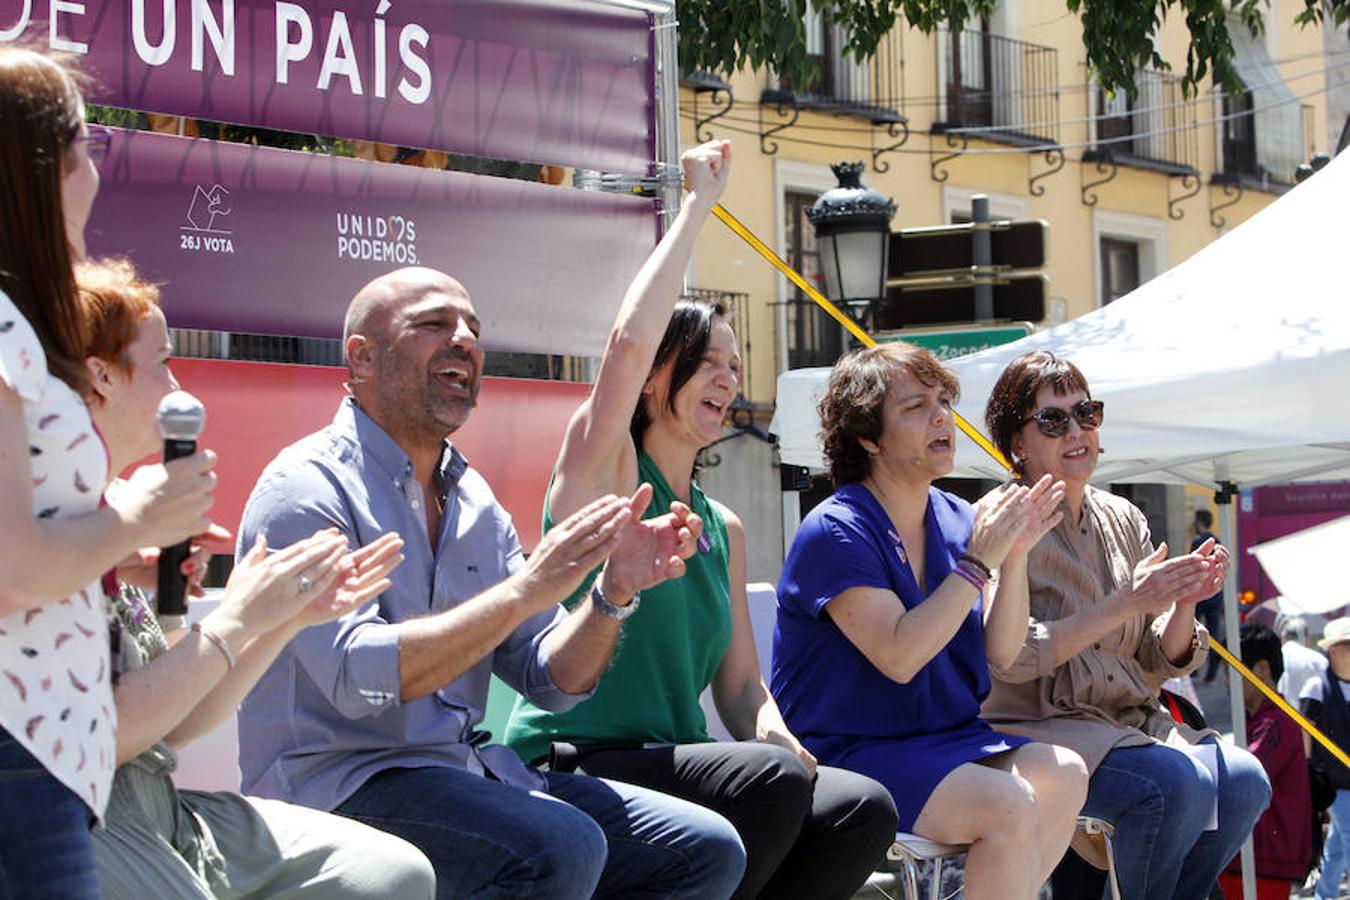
(1106, 696)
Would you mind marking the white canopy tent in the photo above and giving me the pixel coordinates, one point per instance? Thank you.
(1231, 368)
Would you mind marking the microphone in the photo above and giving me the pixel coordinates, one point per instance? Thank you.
(181, 418)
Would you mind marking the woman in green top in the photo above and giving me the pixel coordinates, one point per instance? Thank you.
(661, 395)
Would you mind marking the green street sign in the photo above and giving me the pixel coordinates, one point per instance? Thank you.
(953, 342)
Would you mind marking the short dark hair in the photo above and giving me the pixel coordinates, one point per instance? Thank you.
(1204, 518)
(1258, 643)
(852, 406)
(1014, 394)
(685, 341)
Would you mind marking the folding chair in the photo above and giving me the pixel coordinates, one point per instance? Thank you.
(909, 850)
(1095, 847)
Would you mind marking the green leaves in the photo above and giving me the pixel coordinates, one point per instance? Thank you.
(726, 35)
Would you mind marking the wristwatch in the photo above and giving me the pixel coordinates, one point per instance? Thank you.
(605, 608)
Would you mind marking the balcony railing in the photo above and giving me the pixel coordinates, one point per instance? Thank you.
(1263, 138)
(1157, 126)
(998, 87)
(874, 89)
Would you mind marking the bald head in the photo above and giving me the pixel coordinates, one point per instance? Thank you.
(374, 306)
(411, 342)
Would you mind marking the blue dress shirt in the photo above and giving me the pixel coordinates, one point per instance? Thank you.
(326, 715)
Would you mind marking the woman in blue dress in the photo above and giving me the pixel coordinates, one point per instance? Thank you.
(892, 600)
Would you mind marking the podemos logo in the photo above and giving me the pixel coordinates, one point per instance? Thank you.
(366, 238)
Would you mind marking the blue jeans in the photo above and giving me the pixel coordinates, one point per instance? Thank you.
(1160, 800)
(583, 837)
(46, 850)
(1334, 855)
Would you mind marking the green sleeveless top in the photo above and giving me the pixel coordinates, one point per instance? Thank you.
(667, 654)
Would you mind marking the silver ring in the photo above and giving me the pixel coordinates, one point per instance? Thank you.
(305, 583)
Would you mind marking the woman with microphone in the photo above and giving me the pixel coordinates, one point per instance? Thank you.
(56, 709)
(159, 841)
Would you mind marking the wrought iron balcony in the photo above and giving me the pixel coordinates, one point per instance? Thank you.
(1264, 139)
(874, 90)
(1156, 128)
(997, 87)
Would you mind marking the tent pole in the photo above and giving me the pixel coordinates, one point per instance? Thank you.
(1223, 497)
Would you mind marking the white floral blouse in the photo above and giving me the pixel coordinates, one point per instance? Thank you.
(55, 677)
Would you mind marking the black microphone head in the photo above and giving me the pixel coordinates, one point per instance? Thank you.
(181, 417)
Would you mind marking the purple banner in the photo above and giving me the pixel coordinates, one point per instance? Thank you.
(271, 241)
(568, 82)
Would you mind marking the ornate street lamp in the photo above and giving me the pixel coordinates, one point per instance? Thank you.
(853, 235)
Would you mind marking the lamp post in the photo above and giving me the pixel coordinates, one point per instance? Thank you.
(853, 235)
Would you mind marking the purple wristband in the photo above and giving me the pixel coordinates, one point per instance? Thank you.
(967, 572)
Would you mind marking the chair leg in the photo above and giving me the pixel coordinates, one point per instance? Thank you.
(911, 879)
(935, 888)
(1111, 868)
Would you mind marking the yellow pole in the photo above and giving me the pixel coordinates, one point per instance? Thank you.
(973, 433)
(1279, 701)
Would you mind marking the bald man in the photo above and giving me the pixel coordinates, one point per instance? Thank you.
(375, 716)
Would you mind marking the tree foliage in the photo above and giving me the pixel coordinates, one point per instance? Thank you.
(726, 35)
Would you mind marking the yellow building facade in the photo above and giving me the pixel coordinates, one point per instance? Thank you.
(980, 110)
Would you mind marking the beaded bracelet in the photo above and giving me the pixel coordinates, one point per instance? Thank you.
(971, 574)
(980, 566)
(218, 642)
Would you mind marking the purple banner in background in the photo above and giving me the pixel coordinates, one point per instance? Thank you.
(271, 241)
(568, 82)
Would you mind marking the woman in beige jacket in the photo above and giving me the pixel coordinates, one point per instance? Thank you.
(1111, 619)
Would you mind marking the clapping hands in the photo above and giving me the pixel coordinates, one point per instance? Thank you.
(652, 550)
(1184, 580)
(310, 582)
(1011, 519)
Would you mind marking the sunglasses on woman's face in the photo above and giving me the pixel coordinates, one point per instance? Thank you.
(1054, 421)
(96, 140)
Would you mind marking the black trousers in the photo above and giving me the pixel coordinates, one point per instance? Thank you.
(816, 839)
